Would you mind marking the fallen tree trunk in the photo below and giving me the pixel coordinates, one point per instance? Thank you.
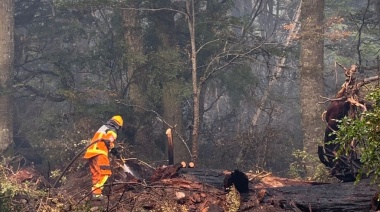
(297, 195)
(324, 197)
(213, 177)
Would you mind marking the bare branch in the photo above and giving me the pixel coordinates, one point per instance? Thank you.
(155, 9)
(330, 99)
(352, 101)
(206, 44)
(217, 98)
(360, 28)
(235, 57)
(254, 14)
(367, 81)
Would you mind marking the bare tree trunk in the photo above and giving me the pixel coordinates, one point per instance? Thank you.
(312, 73)
(196, 88)
(6, 68)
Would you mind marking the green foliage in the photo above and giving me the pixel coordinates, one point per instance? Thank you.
(10, 188)
(365, 132)
(300, 169)
(56, 173)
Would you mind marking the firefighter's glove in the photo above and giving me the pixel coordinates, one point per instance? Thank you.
(115, 152)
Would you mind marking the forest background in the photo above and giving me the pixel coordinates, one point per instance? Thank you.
(230, 76)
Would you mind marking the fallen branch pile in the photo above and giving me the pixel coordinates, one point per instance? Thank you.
(173, 188)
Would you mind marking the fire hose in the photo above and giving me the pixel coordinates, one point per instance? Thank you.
(118, 156)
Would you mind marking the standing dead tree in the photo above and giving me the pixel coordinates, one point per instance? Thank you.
(347, 102)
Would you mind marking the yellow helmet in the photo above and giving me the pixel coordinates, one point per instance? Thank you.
(118, 120)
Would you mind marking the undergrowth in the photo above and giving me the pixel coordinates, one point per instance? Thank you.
(18, 194)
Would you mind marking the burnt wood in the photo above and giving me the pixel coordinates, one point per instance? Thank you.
(327, 197)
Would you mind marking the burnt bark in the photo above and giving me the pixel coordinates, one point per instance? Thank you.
(296, 195)
(327, 197)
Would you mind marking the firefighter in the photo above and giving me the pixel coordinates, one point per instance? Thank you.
(97, 154)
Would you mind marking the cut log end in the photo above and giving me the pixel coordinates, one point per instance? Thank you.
(183, 163)
(187, 165)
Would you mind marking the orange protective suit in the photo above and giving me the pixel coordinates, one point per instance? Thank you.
(97, 154)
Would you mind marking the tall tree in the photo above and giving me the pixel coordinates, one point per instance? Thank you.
(196, 89)
(134, 41)
(312, 50)
(164, 29)
(6, 67)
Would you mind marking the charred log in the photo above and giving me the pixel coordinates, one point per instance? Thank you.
(166, 172)
(213, 177)
(328, 197)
